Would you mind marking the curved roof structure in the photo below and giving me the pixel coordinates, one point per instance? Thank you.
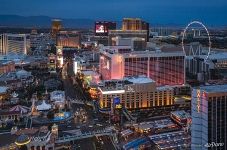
(22, 140)
(20, 108)
(44, 106)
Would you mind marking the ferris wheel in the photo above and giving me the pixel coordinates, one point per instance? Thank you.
(198, 51)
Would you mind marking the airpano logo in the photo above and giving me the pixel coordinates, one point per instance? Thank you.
(213, 144)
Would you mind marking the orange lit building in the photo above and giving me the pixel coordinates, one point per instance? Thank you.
(6, 67)
(56, 27)
(135, 24)
(135, 92)
(69, 39)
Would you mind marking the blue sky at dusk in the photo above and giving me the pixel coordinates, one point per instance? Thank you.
(212, 12)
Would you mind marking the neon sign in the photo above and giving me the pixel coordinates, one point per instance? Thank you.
(198, 101)
(129, 89)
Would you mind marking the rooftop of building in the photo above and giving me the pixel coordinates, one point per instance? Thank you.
(115, 84)
(128, 31)
(173, 140)
(164, 88)
(21, 59)
(157, 52)
(181, 114)
(3, 89)
(90, 73)
(118, 86)
(216, 56)
(5, 62)
(157, 124)
(214, 88)
(139, 79)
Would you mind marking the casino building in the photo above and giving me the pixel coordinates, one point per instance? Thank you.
(13, 44)
(69, 39)
(165, 68)
(135, 92)
(209, 121)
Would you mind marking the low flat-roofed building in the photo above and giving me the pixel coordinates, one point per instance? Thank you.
(181, 117)
(172, 140)
(157, 126)
(7, 66)
(4, 94)
(135, 92)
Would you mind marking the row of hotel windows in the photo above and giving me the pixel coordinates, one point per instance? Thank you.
(157, 99)
(154, 58)
(151, 94)
(217, 110)
(133, 104)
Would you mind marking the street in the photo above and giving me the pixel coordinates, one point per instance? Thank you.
(74, 92)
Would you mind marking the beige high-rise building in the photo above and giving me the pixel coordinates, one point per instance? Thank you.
(135, 92)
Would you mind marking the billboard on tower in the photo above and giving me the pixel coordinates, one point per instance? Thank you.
(102, 28)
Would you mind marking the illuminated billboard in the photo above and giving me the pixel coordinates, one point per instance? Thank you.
(102, 28)
(116, 100)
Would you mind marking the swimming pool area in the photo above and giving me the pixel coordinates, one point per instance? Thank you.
(135, 143)
(62, 116)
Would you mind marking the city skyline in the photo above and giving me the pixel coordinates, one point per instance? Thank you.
(113, 75)
(174, 12)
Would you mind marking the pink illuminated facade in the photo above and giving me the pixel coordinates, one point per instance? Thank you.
(164, 68)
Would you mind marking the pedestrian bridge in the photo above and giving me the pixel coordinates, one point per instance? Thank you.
(69, 138)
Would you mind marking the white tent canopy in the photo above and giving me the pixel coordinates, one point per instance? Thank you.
(43, 106)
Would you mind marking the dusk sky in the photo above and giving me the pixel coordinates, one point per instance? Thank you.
(212, 12)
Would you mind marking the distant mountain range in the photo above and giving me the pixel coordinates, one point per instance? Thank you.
(45, 22)
(42, 22)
